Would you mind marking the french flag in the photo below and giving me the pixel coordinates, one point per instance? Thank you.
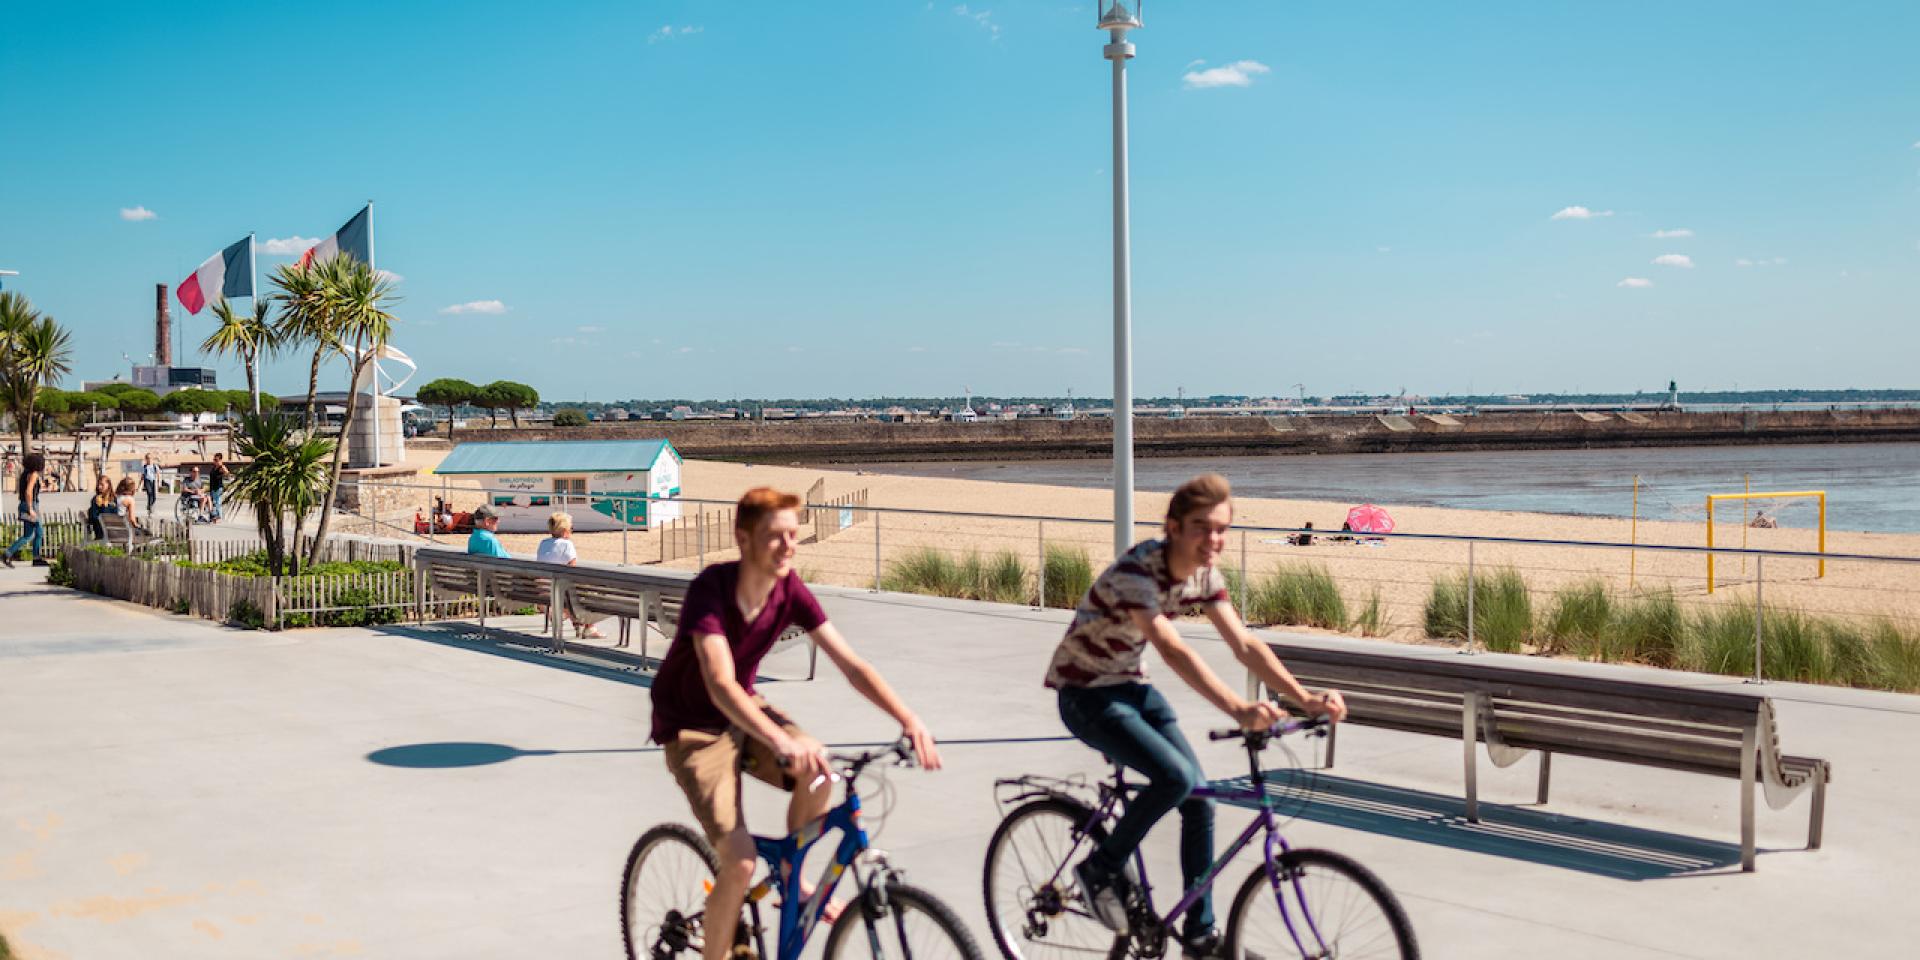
(355, 239)
(228, 273)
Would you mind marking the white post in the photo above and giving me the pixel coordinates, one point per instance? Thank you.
(1759, 582)
(1119, 51)
(1469, 648)
(1040, 598)
(376, 358)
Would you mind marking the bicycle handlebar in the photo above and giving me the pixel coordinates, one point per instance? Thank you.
(1313, 726)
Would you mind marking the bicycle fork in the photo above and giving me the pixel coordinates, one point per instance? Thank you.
(1281, 877)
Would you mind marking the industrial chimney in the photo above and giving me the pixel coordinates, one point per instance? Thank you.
(162, 328)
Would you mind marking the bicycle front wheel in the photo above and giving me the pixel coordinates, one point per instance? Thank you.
(1034, 907)
(899, 922)
(663, 894)
(1325, 905)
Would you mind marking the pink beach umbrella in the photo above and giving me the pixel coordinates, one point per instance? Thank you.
(1367, 518)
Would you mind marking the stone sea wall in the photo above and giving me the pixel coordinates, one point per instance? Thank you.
(818, 442)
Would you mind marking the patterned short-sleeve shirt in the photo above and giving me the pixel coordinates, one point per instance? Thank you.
(1103, 646)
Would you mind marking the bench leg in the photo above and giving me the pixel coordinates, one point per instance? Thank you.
(1333, 737)
(1546, 770)
(813, 656)
(556, 615)
(1747, 748)
(1469, 739)
(1818, 819)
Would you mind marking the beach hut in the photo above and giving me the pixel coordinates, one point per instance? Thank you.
(528, 481)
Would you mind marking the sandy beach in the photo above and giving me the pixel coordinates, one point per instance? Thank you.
(1401, 571)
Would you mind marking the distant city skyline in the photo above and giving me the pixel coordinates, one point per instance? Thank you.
(702, 199)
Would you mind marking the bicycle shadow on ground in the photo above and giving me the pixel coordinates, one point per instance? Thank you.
(450, 755)
(1517, 833)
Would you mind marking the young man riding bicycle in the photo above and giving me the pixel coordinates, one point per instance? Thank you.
(1106, 702)
(712, 724)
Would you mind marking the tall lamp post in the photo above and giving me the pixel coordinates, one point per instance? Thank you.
(1117, 17)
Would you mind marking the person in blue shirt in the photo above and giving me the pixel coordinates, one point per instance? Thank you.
(485, 539)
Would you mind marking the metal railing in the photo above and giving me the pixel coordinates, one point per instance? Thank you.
(842, 557)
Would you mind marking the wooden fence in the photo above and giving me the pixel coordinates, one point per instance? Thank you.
(337, 549)
(706, 532)
(168, 586)
(56, 529)
(838, 514)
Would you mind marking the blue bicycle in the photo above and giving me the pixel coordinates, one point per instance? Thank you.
(663, 894)
(1297, 903)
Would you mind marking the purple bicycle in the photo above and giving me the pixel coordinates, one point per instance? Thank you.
(1297, 903)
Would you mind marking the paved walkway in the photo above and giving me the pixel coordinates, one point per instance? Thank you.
(169, 788)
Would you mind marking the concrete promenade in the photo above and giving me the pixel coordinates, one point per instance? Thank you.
(171, 788)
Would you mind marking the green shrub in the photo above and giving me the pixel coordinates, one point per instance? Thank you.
(925, 570)
(1897, 654)
(1069, 575)
(1297, 593)
(59, 571)
(180, 605)
(360, 610)
(1648, 628)
(569, 417)
(245, 615)
(1502, 609)
(1720, 640)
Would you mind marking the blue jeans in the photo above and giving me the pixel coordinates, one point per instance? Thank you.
(217, 491)
(29, 532)
(1133, 724)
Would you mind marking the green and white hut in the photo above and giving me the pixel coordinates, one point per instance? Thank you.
(528, 481)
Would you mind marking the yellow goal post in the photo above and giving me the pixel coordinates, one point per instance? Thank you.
(1715, 498)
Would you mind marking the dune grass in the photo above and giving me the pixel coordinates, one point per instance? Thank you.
(1000, 578)
(1296, 593)
(1069, 575)
(1502, 609)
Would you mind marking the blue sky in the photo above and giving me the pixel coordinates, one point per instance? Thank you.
(728, 199)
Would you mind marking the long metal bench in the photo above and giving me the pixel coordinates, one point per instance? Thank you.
(1515, 711)
(639, 598)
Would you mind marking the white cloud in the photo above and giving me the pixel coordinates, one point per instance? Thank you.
(567, 341)
(389, 276)
(684, 350)
(1680, 260)
(1580, 213)
(1916, 144)
(916, 349)
(1680, 234)
(796, 349)
(1194, 63)
(1239, 73)
(590, 329)
(288, 246)
(1761, 262)
(137, 214)
(1635, 282)
(670, 32)
(476, 306)
(1383, 249)
(1073, 350)
(982, 17)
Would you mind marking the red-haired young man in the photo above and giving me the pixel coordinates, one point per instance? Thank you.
(712, 724)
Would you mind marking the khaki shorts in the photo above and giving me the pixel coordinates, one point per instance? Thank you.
(707, 766)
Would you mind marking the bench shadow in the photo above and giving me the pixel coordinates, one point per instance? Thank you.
(514, 646)
(1516, 833)
(444, 756)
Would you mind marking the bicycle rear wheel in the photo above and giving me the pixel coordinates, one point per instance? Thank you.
(663, 893)
(1034, 906)
(1326, 905)
(899, 922)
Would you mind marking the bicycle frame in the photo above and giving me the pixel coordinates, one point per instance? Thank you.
(1274, 846)
(783, 856)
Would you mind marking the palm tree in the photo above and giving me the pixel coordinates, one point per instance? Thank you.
(247, 336)
(358, 297)
(284, 477)
(306, 318)
(34, 352)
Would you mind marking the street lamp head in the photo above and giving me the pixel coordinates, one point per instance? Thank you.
(1118, 14)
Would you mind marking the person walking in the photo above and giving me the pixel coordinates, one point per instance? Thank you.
(217, 483)
(150, 479)
(33, 475)
(1107, 703)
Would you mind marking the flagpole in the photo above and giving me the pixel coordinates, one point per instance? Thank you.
(253, 360)
(371, 265)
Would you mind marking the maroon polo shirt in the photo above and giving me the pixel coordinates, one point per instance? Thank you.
(680, 699)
